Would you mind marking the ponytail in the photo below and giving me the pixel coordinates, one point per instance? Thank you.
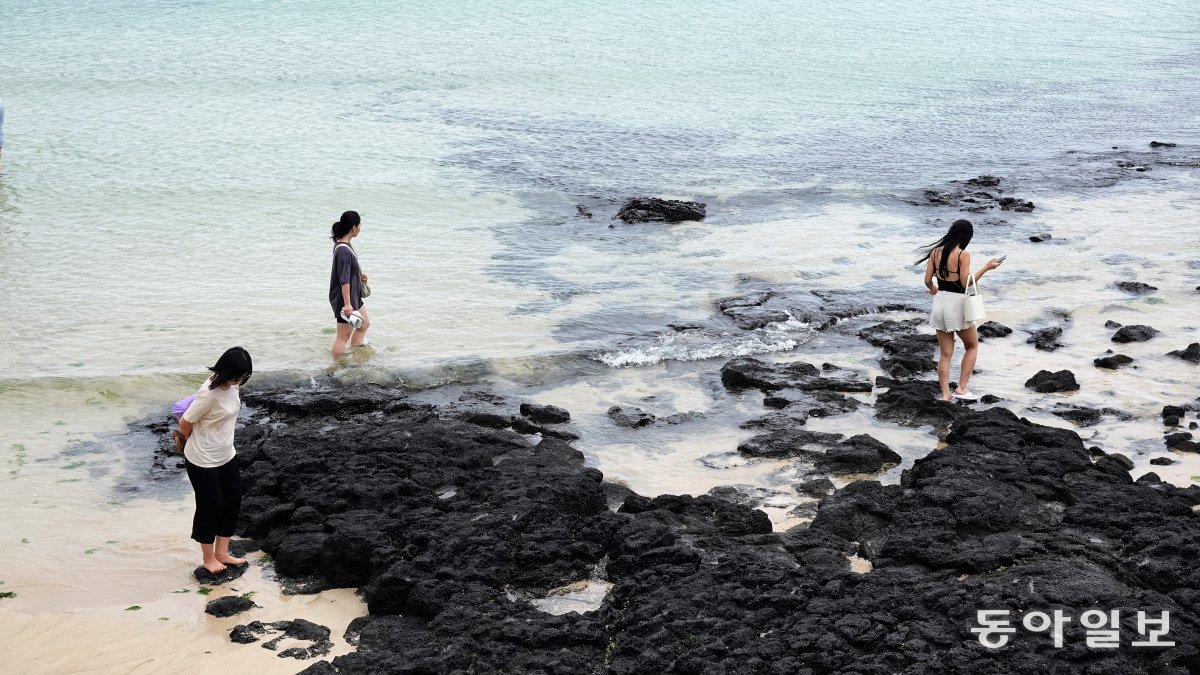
(342, 227)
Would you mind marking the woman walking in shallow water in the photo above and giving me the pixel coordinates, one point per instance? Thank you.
(948, 261)
(346, 286)
(205, 438)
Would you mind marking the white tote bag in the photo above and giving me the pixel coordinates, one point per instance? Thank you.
(973, 304)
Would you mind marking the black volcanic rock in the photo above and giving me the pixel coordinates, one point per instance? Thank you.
(1040, 237)
(1135, 287)
(1159, 144)
(228, 606)
(653, 209)
(1137, 333)
(1009, 515)
(1191, 354)
(991, 329)
(1115, 361)
(1046, 339)
(630, 419)
(545, 414)
(1045, 382)
(858, 454)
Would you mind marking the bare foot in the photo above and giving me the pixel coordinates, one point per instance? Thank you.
(214, 567)
(230, 560)
(179, 441)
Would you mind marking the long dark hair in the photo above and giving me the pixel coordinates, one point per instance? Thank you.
(348, 221)
(233, 366)
(959, 236)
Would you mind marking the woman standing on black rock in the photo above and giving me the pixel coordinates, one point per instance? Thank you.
(346, 283)
(947, 260)
(205, 437)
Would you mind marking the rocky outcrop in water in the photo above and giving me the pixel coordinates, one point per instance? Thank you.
(976, 195)
(1114, 362)
(1191, 354)
(438, 519)
(1135, 287)
(1045, 382)
(1138, 333)
(655, 210)
(1046, 339)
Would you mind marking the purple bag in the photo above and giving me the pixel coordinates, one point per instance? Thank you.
(181, 406)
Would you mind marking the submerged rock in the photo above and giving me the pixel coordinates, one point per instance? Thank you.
(653, 209)
(1046, 339)
(1137, 333)
(1135, 287)
(1045, 382)
(1040, 237)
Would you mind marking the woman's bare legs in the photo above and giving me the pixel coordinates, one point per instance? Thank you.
(946, 352)
(208, 552)
(339, 340)
(970, 339)
(222, 553)
(361, 333)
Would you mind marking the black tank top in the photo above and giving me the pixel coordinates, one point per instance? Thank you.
(951, 286)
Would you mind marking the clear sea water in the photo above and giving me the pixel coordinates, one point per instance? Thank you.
(171, 170)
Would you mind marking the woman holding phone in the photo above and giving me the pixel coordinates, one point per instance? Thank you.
(948, 261)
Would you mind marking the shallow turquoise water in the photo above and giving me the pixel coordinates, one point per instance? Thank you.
(172, 168)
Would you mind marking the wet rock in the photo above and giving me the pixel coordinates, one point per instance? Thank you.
(1014, 204)
(209, 579)
(1046, 339)
(1191, 354)
(524, 426)
(303, 630)
(633, 418)
(1045, 382)
(1181, 441)
(1172, 415)
(1085, 416)
(545, 414)
(247, 633)
(989, 399)
(1163, 461)
(1137, 333)
(1111, 324)
(881, 334)
(858, 454)
(745, 495)
(794, 442)
(680, 327)
(910, 356)
(1135, 287)
(751, 318)
(228, 606)
(1040, 237)
(819, 487)
(653, 209)
(915, 403)
(975, 195)
(1114, 362)
(1159, 144)
(751, 373)
(991, 329)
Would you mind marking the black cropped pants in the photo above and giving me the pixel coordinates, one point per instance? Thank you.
(218, 500)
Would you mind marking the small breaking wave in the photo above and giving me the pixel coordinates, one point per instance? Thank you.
(699, 345)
